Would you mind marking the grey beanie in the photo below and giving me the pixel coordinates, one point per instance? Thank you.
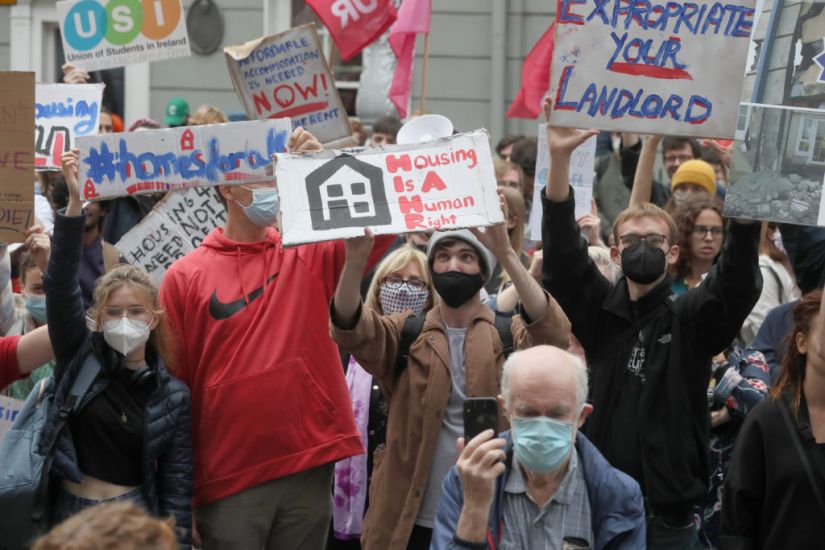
(486, 258)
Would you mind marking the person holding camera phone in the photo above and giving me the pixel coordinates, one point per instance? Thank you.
(543, 484)
(457, 352)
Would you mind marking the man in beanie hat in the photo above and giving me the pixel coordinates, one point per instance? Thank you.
(456, 353)
(693, 179)
(177, 112)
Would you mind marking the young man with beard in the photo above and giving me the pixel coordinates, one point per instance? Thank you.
(457, 354)
(649, 356)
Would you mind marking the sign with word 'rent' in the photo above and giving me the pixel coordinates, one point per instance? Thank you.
(664, 67)
(151, 161)
(286, 75)
(396, 189)
(16, 155)
(176, 226)
(106, 34)
(63, 112)
(9, 409)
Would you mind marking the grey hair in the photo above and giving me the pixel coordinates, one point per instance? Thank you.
(580, 374)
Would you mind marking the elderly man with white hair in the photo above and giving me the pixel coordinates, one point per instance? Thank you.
(542, 485)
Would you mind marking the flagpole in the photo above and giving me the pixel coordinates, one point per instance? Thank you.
(422, 105)
(331, 56)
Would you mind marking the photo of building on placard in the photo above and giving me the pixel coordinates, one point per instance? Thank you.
(778, 166)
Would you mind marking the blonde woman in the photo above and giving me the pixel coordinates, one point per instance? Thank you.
(401, 283)
(131, 438)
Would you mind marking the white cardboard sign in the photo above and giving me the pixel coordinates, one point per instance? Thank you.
(659, 67)
(152, 161)
(63, 112)
(104, 34)
(435, 185)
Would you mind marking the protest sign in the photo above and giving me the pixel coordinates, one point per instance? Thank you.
(63, 112)
(396, 189)
(100, 36)
(779, 168)
(150, 161)
(664, 67)
(9, 409)
(176, 226)
(582, 173)
(16, 155)
(286, 75)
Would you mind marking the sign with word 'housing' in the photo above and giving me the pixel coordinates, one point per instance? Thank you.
(152, 161)
(102, 35)
(63, 112)
(286, 75)
(336, 194)
(663, 67)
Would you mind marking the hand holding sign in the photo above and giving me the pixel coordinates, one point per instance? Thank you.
(302, 141)
(725, 152)
(358, 249)
(74, 75)
(563, 141)
(495, 237)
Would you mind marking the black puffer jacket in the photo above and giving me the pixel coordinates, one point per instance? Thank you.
(167, 452)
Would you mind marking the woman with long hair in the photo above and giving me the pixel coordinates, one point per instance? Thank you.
(131, 437)
(774, 495)
(401, 285)
(701, 232)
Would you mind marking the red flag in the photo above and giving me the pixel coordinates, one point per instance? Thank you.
(414, 18)
(354, 24)
(535, 78)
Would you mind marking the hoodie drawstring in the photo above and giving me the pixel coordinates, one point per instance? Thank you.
(240, 274)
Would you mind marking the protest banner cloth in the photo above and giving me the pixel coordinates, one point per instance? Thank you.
(99, 36)
(9, 409)
(175, 227)
(440, 184)
(354, 24)
(16, 155)
(286, 75)
(660, 67)
(152, 161)
(582, 174)
(63, 112)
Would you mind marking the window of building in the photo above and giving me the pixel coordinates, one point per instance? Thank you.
(810, 142)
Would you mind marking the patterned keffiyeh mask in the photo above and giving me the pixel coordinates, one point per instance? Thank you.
(401, 298)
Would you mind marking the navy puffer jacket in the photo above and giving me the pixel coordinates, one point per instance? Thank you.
(167, 452)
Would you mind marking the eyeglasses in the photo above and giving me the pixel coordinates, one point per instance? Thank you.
(395, 282)
(702, 230)
(670, 159)
(134, 312)
(653, 239)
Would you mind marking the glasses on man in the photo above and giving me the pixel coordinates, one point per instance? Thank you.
(134, 312)
(702, 230)
(394, 282)
(670, 159)
(654, 240)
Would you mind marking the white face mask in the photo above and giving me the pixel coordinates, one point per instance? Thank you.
(126, 335)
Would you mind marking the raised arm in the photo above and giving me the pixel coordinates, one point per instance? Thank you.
(8, 313)
(347, 303)
(643, 179)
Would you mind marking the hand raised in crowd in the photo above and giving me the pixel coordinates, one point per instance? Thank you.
(302, 141)
(495, 237)
(563, 141)
(725, 153)
(347, 298)
(479, 464)
(39, 245)
(70, 160)
(591, 225)
(358, 249)
(535, 264)
(74, 75)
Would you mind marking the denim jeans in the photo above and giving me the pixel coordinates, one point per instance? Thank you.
(663, 536)
(66, 504)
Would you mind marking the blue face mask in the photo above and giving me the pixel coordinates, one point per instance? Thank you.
(36, 304)
(264, 208)
(542, 444)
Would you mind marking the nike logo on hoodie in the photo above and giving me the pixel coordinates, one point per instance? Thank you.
(220, 310)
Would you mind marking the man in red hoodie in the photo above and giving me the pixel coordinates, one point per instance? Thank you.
(270, 408)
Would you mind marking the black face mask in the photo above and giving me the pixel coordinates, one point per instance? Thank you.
(643, 264)
(455, 287)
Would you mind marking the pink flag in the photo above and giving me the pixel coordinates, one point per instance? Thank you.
(413, 17)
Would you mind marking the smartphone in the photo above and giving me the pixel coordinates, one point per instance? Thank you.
(480, 413)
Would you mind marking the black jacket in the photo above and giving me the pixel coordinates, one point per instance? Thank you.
(768, 501)
(678, 343)
(167, 451)
(659, 192)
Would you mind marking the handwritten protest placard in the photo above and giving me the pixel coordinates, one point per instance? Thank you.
(286, 75)
(582, 173)
(435, 185)
(9, 409)
(101, 35)
(16, 155)
(63, 112)
(664, 67)
(114, 165)
(176, 226)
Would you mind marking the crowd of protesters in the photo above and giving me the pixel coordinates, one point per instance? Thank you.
(659, 369)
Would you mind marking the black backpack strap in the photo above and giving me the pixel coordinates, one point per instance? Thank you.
(409, 333)
(505, 333)
(804, 455)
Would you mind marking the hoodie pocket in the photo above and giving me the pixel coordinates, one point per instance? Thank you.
(263, 417)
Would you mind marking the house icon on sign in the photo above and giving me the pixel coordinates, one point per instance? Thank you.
(347, 192)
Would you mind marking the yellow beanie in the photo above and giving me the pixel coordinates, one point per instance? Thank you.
(697, 172)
